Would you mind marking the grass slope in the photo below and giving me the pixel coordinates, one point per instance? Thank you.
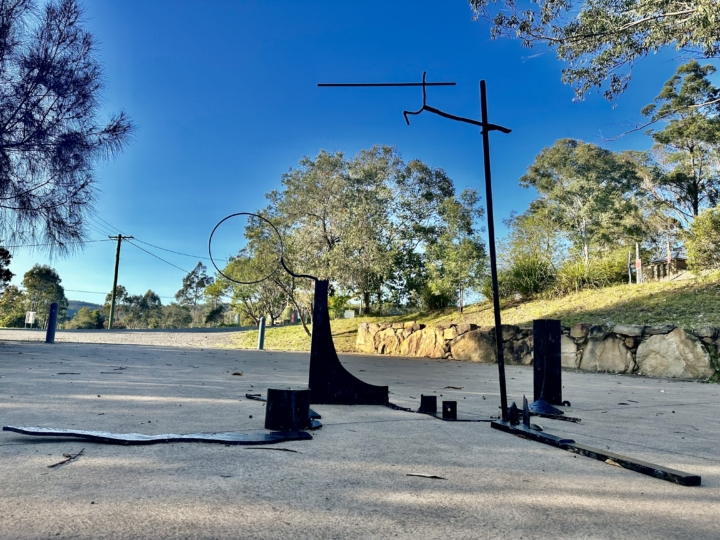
(688, 304)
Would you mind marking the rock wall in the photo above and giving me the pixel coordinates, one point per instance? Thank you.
(657, 351)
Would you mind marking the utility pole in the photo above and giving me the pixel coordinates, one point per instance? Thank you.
(119, 239)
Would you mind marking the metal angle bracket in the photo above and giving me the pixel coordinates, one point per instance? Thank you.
(642, 467)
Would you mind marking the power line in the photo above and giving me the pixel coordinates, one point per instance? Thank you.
(106, 223)
(163, 260)
(177, 252)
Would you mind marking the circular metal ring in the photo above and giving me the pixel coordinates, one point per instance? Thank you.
(282, 248)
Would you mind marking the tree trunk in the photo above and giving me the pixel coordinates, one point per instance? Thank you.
(460, 306)
(300, 315)
(366, 303)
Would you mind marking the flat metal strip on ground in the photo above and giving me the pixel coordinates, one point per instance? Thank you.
(105, 437)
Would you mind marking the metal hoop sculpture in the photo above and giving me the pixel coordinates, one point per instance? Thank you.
(277, 233)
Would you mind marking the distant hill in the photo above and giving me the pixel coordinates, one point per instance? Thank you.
(75, 305)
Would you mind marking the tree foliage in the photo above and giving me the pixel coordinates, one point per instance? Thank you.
(685, 159)
(50, 135)
(456, 258)
(588, 191)
(702, 241)
(193, 289)
(602, 39)
(87, 319)
(42, 287)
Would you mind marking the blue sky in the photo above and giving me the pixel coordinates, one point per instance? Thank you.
(225, 100)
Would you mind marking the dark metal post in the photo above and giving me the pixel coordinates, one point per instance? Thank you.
(261, 334)
(493, 259)
(547, 372)
(52, 323)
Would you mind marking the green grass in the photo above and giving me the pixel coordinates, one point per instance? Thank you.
(688, 304)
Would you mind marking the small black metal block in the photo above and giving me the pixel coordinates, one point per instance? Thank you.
(288, 409)
(449, 410)
(428, 404)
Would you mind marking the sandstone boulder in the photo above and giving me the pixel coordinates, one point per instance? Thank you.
(631, 330)
(387, 342)
(706, 332)
(677, 354)
(568, 352)
(518, 351)
(580, 330)
(610, 354)
(475, 346)
(427, 342)
(450, 333)
(659, 329)
(464, 328)
(365, 342)
(596, 332)
(509, 331)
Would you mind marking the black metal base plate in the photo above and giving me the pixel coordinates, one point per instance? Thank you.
(642, 467)
(105, 437)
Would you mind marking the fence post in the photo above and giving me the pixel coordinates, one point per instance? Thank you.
(52, 322)
(261, 334)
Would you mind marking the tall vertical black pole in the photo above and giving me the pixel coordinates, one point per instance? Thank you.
(493, 259)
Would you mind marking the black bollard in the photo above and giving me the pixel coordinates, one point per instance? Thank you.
(287, 409)
(52, 323)
(428, 404)
(449, 411)
(547, 375)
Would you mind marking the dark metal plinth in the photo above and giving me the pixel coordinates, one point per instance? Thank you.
(288, 409)
(138, 439)
(547, 372)
(642, 467)
(449, 410)
(428, 404)
(330, 383)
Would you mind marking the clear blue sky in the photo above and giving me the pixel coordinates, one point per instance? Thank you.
(225, 100)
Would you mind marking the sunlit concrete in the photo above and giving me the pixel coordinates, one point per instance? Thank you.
(350, 480)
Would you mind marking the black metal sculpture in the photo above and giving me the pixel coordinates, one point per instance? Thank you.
(487, 127)
(329, 382)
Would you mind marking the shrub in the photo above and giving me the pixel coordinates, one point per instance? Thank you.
(530, 276)
(702, 241)
(575, 276)
(431, 300)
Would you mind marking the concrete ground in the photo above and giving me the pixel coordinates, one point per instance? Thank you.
(351, 480)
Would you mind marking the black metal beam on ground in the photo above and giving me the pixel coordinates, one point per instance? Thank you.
(139, 439)
(642, 467)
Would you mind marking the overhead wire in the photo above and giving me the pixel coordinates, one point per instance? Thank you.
(176, 252)
(160, 258)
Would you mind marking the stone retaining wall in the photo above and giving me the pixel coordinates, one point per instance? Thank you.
(657, 351)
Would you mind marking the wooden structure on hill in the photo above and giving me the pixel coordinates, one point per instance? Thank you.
(661, 268)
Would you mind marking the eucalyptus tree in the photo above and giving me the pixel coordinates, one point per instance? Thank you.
(590, 192)
(42, 288)
(193, 288)
(456, 257)
(601, 40)
(686, 156)
(350, 220)
(51, 138)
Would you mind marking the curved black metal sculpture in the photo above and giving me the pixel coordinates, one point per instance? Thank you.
(329, 382)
